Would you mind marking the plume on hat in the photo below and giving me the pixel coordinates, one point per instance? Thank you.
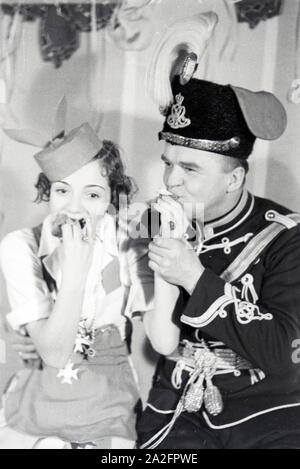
(184, 37)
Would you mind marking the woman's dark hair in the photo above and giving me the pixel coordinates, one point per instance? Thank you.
(112, 168)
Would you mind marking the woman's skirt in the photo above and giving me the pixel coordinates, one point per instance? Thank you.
(92, 403)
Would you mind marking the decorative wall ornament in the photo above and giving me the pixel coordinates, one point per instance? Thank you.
(128, 21)
(62, 23)
(131, 27)
(59, 37)
(254, 11)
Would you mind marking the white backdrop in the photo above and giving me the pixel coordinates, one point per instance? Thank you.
(102, 78)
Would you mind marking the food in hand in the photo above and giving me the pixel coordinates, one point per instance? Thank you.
(60, 220)
(154, 217)
(163, 192)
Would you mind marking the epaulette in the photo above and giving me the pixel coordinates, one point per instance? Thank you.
(289, 221)
(259, 242)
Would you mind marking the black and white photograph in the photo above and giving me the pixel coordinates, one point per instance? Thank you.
(149, 227)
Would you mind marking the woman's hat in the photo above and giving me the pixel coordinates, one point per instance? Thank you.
(62, 154)
(66, 155)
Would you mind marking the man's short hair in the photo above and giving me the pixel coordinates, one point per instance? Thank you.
(230, 163)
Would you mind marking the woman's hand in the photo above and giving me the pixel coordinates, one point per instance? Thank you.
(23, 345)
(77, 249)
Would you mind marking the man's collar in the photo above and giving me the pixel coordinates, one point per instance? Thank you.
(231, 219)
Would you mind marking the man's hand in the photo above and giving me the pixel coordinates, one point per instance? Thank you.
(23, 345)
(174, 221)
(176, 262)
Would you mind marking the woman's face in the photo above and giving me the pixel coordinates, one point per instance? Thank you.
(84, 193)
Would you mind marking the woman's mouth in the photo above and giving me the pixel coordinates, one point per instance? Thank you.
(62, 219)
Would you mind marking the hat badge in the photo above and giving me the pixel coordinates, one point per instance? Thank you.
(177, 118)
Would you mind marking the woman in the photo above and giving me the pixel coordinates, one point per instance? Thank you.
(71, 283)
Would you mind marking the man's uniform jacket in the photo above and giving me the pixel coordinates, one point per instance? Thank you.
(247, 301)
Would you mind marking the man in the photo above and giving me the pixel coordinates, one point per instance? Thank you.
(226, 377)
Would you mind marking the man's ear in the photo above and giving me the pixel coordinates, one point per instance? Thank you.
(236, 179)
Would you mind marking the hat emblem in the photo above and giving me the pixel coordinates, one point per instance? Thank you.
(177, 118)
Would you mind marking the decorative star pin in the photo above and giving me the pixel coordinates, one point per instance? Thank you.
(84, 339)
(81, 343)
(67, 374)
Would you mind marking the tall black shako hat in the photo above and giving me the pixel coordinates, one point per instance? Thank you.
(200, 114)
(221, 118)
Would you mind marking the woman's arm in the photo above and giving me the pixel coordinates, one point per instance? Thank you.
(54, 337)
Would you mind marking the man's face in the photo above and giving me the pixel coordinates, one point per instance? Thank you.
(197, 177)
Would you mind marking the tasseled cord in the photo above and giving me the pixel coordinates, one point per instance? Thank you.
(163, 432)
